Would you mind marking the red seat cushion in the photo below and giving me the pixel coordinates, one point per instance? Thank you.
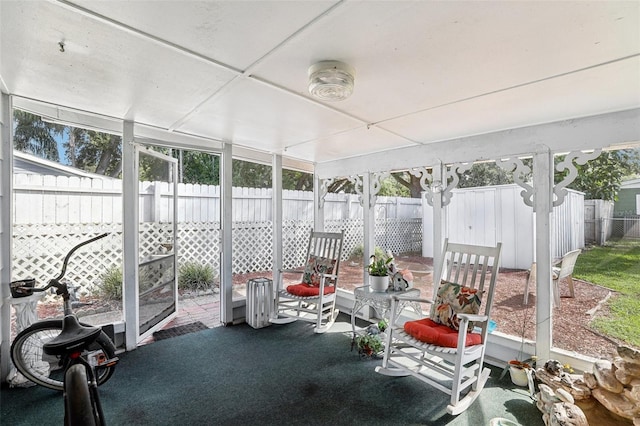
(306, 290)
(431, 332)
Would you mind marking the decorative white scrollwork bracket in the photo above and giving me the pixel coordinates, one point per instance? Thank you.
(374, 187)
(427, 183)
(356, 180)
(520, 172)
(324, 190)
(569, 163)
(433, 186)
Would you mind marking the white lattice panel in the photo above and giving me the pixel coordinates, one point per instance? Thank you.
(38, 250)
(252, 243)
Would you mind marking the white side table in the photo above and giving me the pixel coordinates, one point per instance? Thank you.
(381, 302)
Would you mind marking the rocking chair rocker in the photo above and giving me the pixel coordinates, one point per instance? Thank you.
(447, 349)
(314, 298)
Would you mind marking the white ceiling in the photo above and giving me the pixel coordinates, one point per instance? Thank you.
(236, 71)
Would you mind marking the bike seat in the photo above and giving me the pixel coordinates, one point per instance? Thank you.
(74, 336)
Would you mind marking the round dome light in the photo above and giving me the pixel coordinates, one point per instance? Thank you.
(331, 80)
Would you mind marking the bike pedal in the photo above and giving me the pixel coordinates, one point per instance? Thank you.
(110, 363)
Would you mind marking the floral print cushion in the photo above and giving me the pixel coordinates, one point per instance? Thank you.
(315, 267)
(453, 299)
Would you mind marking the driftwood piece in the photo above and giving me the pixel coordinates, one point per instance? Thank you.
(573, 384)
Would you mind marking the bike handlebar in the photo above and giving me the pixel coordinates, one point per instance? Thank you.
(66, 259)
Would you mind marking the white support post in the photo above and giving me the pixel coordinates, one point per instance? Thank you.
(276, 188)
(318, 205)
(369, 222)
(226, 235)
(6, 228)
(543, 206)
(130, 242)
(439, 218)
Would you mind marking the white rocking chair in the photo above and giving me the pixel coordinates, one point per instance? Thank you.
(431, 349)
(314, 298)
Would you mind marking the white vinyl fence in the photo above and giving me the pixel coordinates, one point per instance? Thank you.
(54, 213)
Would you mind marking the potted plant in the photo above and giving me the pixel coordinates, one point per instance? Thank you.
(520, 369)
(371, 343)
(378, 269)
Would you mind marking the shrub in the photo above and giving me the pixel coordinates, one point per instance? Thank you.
(195, 276)
(358, 252)
(110, 286)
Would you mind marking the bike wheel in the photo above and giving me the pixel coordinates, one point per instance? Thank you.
(78, 404)
(48, 370)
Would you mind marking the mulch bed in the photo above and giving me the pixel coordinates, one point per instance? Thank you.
(571, 330)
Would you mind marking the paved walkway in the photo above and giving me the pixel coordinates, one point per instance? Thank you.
(205, 309)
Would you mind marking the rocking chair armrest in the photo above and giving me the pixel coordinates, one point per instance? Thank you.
(288, 271)
(405, 298)
(473, 317)
(334, 276)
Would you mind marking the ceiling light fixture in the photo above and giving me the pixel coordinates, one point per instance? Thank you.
(331, 80)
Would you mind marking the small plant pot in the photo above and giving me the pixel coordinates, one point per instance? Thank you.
(518, 373)
(379, 283)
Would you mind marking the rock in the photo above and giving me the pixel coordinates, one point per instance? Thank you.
(605, 377)
(631, 397)
(623, 377)
(636, 421)
(630, 368)
(634, 389)
(565, 414)
(617, 403)
(590, 380)
(629, 354)
(564, 396)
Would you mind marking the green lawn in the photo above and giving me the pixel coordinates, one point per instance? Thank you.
(616, 266)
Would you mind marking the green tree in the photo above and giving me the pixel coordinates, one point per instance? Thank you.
(298, 181)
(484, 174)
(199, 167)
(34, 136)
(95, 152)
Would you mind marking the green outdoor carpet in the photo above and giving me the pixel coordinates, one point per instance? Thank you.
(277, 375)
